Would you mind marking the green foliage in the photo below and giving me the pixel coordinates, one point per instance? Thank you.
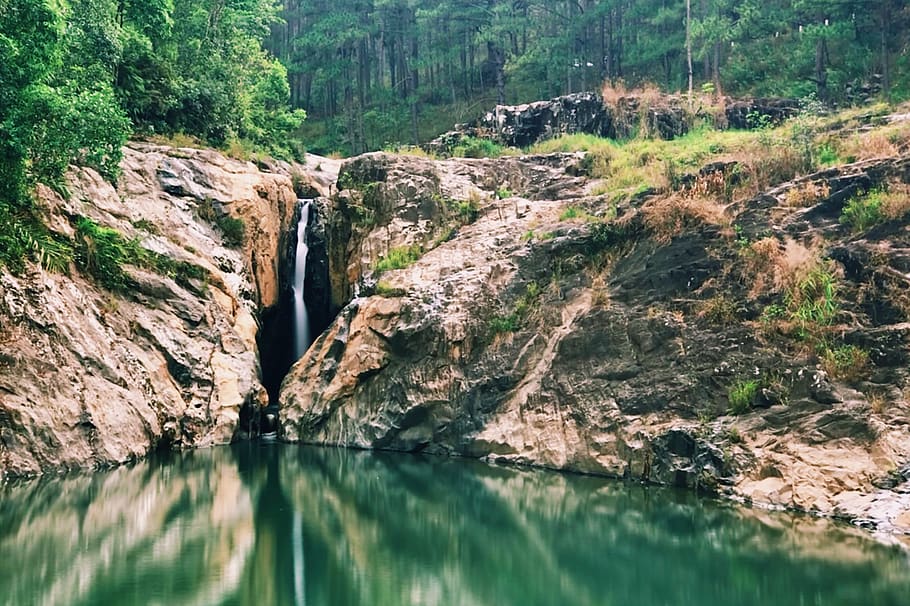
(24, 237)
(812, 301)
(846, 362)
(398, 258)
(827, 155)
(233, 230)
(102, 252)
(503, 324)
(384, 289)
(471, 147)
(147, 226)
(571, 212)
(52, 111)
(466, 211)
(772, 313)
(863, 211)
(741, 395)
(515, 320)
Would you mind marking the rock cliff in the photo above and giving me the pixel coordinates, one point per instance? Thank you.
(666, 117)
(92, 376)
(498, 309)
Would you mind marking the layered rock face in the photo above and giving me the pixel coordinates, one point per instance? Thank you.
(94, 377)
(666, 117)
(531, 335)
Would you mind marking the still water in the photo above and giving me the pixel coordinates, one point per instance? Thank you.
(275, 525)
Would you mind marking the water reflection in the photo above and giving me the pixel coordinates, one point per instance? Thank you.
(285, 525)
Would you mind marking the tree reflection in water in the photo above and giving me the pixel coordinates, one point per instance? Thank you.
(276, 524)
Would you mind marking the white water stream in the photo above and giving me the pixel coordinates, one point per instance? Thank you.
(301, 318)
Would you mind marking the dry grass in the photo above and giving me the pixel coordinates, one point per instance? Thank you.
(807, 194)
(600, 293)
(177, 140)
(670, 216)
(797, 261)
(896, 200)
(612, 92)
(878, 402)
(882, 142)
(720, 309)
(713, 184)
(846, 363)
(763, 266)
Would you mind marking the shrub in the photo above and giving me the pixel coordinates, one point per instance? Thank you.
(827, 155)
(863, 212)
(146, 226)
(398, 258)
(847, 362)
(807, 194)
(23, 236)
(812, 301)
(384, 289)
(233, 230)
(741, 395)
(721, 310)
(101, 252)
(502, 324)
(467, 211)
(571, 212)
(523, 307)
(670, 216)
(472, 147)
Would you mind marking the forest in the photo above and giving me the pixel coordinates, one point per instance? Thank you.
(79, 77)
(371, 73)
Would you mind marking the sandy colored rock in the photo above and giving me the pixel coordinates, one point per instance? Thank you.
(90, 377)
(584, 345)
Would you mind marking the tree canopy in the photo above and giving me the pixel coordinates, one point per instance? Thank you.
(77, 77)
(373, 69)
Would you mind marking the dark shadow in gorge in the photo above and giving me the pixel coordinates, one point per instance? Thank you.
(276, 333)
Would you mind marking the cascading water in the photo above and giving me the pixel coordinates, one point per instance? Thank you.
(301, 317)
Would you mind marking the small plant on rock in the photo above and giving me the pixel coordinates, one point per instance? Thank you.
(398, 258)
(233, 230)
(847, 362)
(741, 395)
(472, 147)
(863, 212)
(812, 301)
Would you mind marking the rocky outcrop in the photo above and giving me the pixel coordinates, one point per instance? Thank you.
(661, 116)
(751, 113)
(89, 376)
(583, 342)
(524, 125)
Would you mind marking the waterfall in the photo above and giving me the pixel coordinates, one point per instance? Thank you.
(301, 317)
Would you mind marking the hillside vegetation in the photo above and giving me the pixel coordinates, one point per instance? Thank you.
(375, 73)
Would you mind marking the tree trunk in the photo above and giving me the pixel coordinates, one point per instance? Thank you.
(886, 72)
(689, 45)
(715, 73)
(821, 71)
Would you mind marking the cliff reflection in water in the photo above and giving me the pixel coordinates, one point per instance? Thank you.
(286, 525)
